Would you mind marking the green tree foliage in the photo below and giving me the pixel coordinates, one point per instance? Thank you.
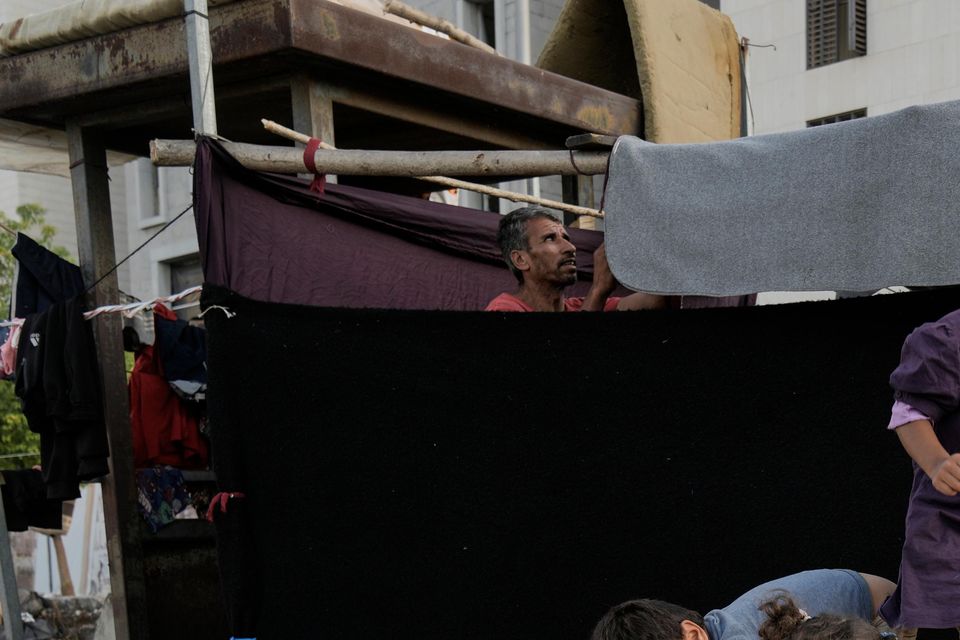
(19, 447)
(16, 439)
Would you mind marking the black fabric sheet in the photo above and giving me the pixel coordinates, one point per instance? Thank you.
(479, 475)
(42, 278)
(25, 502)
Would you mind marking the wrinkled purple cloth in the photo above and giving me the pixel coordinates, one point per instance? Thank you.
(269, 238)
(928, 379)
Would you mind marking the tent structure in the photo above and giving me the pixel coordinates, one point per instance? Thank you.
(347, 76)
(489, 475)
(341, 74)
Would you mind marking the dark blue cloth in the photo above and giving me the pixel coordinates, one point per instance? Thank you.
(44, 278)
(182, 348)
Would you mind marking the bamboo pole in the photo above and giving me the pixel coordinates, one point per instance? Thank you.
(452, 183)
(407, 12)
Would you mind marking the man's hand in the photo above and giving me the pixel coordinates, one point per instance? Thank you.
(603, 279)
(603, 282)
(946, 475)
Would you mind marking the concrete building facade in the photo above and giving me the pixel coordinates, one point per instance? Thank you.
(912, 56)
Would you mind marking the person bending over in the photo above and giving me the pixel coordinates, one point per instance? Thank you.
(538, 251)
(840, 604)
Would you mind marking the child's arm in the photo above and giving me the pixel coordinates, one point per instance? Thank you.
(920, 441)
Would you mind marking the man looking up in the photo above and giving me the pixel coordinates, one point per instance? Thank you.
(538, 250)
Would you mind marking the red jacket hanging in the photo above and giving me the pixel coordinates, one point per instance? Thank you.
(165, 430)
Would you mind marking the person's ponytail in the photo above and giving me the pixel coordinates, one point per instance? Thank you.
(784, 618)
(786, 621)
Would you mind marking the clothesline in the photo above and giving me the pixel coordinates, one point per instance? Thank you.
(131, 309)
(128, 310)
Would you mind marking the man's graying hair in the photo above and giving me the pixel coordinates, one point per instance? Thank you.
(512, 235)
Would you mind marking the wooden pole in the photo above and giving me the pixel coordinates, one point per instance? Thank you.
(9, 596)
(296, 136)
(407, 12)
(63, 567)
(91, 201)
(408, 164)
(401, 164)
(312, 107)
(89, 498)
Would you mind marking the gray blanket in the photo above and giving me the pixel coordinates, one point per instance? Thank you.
(856, 206)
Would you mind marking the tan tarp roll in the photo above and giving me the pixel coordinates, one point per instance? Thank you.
(86, 18)
(680, 57)
(83, 19)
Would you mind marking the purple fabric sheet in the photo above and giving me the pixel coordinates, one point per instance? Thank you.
(270, 238)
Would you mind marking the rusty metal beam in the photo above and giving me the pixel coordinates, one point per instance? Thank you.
(339, 33)
(260, 38)
(147, 112)
(239, 30)
(407, 109)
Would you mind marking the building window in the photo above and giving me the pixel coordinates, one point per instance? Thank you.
(476, 17)
(143, 194)
(838, 117)
(185, 272)
(836, 30)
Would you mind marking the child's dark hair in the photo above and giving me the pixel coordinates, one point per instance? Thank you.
(786, 621)
(644, 620)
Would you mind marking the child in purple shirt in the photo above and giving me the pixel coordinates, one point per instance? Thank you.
(926, 416)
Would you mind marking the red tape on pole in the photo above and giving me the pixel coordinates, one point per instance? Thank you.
(320, 180)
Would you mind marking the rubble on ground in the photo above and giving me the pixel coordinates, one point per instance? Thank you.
(56, 617)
